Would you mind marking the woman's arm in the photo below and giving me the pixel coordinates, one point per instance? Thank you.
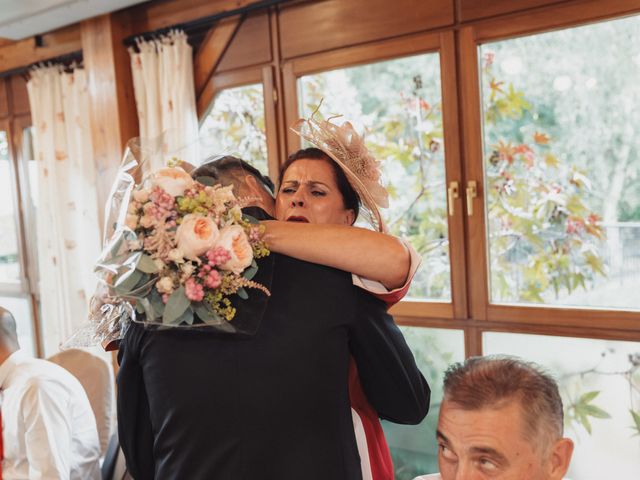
(364, 252)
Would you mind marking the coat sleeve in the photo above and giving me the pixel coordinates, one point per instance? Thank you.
(135, 432)
(391, 380)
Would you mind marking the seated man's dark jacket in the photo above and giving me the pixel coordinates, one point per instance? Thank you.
(274, 405)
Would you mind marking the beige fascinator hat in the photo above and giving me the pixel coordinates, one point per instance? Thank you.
(343, 144)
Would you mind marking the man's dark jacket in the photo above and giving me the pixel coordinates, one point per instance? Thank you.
(269, 406)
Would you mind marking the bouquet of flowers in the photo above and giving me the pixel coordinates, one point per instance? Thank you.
(179, 250)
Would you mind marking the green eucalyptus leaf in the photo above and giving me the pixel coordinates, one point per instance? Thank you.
(250, 272)
(147, 308)
(186, 317)
(207, 314)
(126, 283)
(242, 293)
(146, 264)
(206, 180)
(156, 301)
(175, 306)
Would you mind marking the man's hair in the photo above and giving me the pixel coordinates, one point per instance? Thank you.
(8, 330)
(493, 381)
(230, 170)
(350, 197)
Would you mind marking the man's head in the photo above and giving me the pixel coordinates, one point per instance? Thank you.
(247, 181)
(501, 418)
(8, 334)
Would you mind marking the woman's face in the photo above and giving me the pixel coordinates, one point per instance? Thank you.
(309, 193)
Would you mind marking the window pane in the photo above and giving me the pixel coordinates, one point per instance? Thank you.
(583, 365)
(9, 261)
(561, 114)
(414, 448)
(236, 126)
(20, 308)
(399, 104)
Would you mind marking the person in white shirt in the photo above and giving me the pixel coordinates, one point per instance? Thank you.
(501, 418)
(48, 428)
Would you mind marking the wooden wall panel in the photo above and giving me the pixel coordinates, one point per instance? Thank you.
(320, 26)
(474, 9)
(19, 95)
(250, 46)
(111, 92)
(4, 99)
(212, 48)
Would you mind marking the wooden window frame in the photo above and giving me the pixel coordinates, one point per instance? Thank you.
(443, 44)
(576, 322)
(239, 78)
(27, 288)
(470, 309)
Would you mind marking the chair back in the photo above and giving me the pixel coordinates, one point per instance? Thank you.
(96, 377)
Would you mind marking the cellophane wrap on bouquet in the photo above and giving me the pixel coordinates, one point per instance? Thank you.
(178, 253)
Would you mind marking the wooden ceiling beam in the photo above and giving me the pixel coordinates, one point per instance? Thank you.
(212, 49)
(157, 15)
(22, 53)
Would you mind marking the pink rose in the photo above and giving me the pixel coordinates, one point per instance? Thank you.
(173, 180)
(195, 235)
(233, 239)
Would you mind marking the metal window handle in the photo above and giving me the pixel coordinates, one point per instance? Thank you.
(452, 193)
(471, 193)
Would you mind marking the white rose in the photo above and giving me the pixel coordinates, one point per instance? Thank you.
(176, 255)
(146, 221)
(224, 194)
(165, 285)
(141, 195)
(173, 180)
(188, 269)
(133, 207)
(195, 235)
(131, 221)
(159, 264)
(235, 241)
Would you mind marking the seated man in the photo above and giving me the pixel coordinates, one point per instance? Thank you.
(501, 418)
(48, 428)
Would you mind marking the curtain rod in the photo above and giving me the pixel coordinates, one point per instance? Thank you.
(202, 23)
(65, 59)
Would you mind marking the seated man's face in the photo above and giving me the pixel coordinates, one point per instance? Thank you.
(492, 444)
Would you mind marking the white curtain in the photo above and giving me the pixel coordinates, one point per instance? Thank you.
(68, 233)
(165, 97)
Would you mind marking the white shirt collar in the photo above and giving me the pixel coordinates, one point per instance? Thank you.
(8, 365)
